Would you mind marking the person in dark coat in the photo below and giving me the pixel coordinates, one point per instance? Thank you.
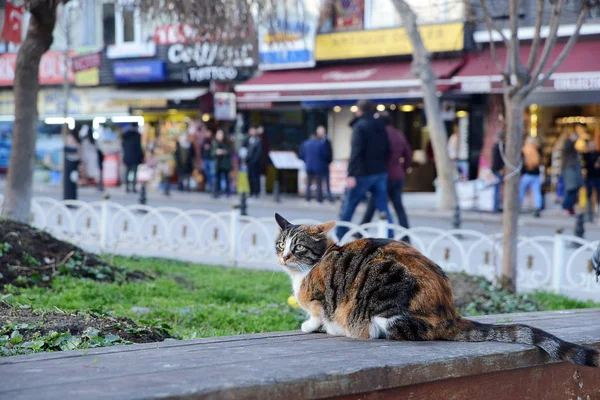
(314, 154)
(208, 161)
(221, 152)
(572, 174)
(397, 167)
(184, 160)
(253, 161)
(367, 167)
(498, 169)
(133, 155)
(322, 135)
(591, 162)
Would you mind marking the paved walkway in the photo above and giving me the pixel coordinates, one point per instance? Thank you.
(419, 206)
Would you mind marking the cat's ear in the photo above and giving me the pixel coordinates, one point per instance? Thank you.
(282, 222)
(326, 227)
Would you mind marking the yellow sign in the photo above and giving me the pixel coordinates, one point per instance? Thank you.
(387, 42)
(91, 77)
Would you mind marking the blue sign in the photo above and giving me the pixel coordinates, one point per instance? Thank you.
(140, 71)
(290, 43)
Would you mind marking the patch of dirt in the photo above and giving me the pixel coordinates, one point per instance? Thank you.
(466, 289)
(32, 257)
(77, 323)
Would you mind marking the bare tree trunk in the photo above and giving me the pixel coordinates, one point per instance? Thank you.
(421, 67)
(19, 184)
(513, 142)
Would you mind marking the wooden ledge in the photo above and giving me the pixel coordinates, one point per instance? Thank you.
(292, 365)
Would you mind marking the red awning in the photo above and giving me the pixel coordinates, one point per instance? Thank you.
(346, 82)
(580, 70)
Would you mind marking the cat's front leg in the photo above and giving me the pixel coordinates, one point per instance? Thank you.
(313, 324)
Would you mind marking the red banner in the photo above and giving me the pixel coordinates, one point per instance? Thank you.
(87, 62)
(51, 69)
(13, 23)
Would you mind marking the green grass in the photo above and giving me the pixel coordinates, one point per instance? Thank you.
(195, 300)
(199, 301)
(550, 301)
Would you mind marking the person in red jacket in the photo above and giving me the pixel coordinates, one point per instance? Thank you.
(397, 165)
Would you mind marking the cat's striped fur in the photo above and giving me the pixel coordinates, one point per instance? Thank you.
(380, 288)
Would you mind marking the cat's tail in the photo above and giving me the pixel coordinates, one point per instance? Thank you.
(471, 331)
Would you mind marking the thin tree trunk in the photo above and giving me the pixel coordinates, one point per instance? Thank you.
(421, 67)
(19, 183)
(512, 150)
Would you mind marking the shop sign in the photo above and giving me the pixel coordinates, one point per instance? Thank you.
(254, 105)
(580, 83)
(290, 42)
(476, 87)
(387, 42)
(51, 69)
(208, 61)
(86, 62)
(140, 71)
(224, 106)
(174, 33)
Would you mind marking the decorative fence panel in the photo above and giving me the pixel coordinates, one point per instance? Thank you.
(560, 263)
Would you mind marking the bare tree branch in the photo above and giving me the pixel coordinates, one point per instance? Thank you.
(490, 24)
(514, 62)
(535, 45)
(563, 54)
(549, 43)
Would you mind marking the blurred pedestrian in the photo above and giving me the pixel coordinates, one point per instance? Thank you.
(530, 174)
(221, 152)
(208, 160)
(367, 167)
(253, 161)
(572, 174)
(184, 161)
(133, 155)
(322, 135)
(314, 154)
(591, 161)
(397, 166)
(89, 156)
(498, 169)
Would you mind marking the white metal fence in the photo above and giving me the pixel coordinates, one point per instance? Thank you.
(560, 263)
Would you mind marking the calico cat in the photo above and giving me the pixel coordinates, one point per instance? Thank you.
(381, 288)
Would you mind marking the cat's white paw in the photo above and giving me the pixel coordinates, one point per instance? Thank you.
(311, 325)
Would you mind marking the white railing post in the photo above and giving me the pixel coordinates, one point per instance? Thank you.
(558, 262)
(104, 225)
(234, 230)
(382, 226)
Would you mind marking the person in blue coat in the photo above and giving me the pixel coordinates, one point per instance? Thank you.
(315, 154)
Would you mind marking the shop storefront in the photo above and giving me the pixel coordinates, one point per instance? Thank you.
(569, 101)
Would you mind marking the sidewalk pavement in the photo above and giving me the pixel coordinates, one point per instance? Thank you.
(416, 205)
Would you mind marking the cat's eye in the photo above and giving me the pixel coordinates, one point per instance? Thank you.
(300, 248)
(280, 246)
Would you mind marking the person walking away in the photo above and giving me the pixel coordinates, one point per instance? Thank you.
(556, 167)
(367, 167)
(72, 158)
(498, 169)
(530, 174)
(221, 152)
(591, 162)
(572, 174)
(132, 156)
(397, 166)
(184, 162)
(314, 154)
(253, 161)
(207, 160)
(322, 135)
(89, 156)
